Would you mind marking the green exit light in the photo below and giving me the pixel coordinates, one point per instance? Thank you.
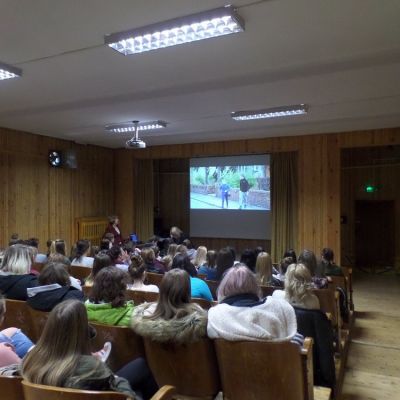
(370, 188)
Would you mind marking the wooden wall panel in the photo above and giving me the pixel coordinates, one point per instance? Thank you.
(41, 201)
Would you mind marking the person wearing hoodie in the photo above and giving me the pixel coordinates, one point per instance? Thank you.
(15, 272)
(173, 318)
(107, 303)
(54, 287)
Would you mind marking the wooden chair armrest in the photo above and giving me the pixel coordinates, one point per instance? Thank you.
(164, 393)
(308, 369)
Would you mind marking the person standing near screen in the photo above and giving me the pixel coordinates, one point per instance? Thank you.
(224, 188)
(244, 187)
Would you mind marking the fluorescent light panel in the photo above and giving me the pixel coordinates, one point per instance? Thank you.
(204, 25)
(276, 112)
(9, 72)
(130, 127)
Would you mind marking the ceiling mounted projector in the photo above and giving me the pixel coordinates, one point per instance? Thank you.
(135, 142)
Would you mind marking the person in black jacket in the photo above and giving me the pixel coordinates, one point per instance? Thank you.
(55, 287)
(315, 324)
(244, 187)
(15, 272)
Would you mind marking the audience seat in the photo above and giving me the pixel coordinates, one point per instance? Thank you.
(191, 368)
(264, 370)
(213, 286)
(126, 344)
(267, 290)
(38, 320)
(11, 388)
(153, 278)
(203, 303)
(79, 272)
(139, 296)
(18, 316)
(42, 392)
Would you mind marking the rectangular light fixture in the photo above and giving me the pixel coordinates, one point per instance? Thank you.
(8, 72)
(204, 25)
(130, 126)
(276, 112)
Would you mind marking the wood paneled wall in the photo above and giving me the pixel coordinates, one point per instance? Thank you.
(37, 200)
(319, 174)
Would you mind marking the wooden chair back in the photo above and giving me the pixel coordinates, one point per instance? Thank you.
(213, 286)
(18, 316)
(329, 303)
(11, 388)
(260, 370)
(153, 278)
(139, 296)
(191, 368)
(202, 276)
(79, 272)
(126, 344)
(86, 290)
(38, 266)
(39, 319)
(34, 391)
(203, 303)
(267, 290)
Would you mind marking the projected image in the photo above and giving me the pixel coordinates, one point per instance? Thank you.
(238, 187)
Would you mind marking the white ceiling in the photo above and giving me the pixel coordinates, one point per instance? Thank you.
(341, 57)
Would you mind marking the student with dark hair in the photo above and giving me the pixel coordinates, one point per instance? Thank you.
(290, 253)
(308, 259)
(137, 274)
(107, 302)
(174, 318)
(54, 288)
(225, 260)
(62, 358)
(249, 258)
(101, 260)
(198, 287)
(82, 253)
(150, 262)
(327, 264)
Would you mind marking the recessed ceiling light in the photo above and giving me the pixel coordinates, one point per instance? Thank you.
(204, 25)
(131, 126)
(9, 72)
(276, 112)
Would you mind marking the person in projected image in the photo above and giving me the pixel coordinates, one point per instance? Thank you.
(244, 187)
(224, 188)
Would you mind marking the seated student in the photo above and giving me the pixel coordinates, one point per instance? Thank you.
(107, 303)
(225, 260)
(264, 271)
(210, 267)
(248, 258)
(59, 258)
(242, 315)
(15, 272)
(81, 254)
(327, 266)
(13, 343)
(177, 235)
(119, 257)
(198, 287)
(101, 260)
(137, 274)
(201, 257)
(150, 262)
(173, 318)
(191, 251)
(39, 258)
(62, 358)
(308, 259)
(283, 266)
(54, 287)
(298, 286)
(290, 253)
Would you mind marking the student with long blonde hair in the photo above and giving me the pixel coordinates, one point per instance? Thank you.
(264, 270)
(201, 257)
(62, 358)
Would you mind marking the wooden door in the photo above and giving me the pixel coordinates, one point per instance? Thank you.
(374, 233)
